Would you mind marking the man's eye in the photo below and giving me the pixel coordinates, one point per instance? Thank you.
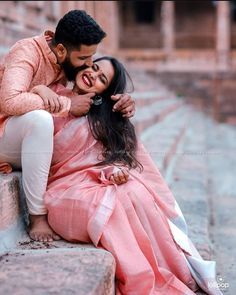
(82, 58)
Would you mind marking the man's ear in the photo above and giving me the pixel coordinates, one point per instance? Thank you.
(61, 52)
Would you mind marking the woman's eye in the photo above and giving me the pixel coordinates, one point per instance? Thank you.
(103, 80)
(95, 67)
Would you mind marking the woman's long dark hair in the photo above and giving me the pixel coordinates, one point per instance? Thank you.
(116, 133)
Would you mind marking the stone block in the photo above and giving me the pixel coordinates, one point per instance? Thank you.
(58, 271)
(11, 221)
(9, 200)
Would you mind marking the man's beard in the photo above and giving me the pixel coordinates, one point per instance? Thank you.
(69, 70)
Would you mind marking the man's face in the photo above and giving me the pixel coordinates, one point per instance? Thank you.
(77, 60)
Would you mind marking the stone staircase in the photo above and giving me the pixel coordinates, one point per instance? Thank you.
(163, 123)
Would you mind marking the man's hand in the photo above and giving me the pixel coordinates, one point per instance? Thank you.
(51, 100)
(80, 104)
(125, 104)
(121, 176)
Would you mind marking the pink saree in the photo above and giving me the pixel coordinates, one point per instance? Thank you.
(139, 222)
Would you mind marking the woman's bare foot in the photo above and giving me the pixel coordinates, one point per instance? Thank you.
(39, 229)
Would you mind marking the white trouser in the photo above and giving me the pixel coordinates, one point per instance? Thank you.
(27, 143)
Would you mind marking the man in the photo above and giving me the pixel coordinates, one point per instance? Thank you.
(26, 125)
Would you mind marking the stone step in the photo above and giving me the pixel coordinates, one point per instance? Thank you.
(161, 139)
(79, 271)
(154, 112)
(161, 93)
(11, 221)
(145, 81)
(146, 98)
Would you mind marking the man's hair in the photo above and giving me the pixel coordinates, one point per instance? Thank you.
(76, 28)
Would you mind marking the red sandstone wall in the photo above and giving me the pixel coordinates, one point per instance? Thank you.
(22, 19)
(195, 24)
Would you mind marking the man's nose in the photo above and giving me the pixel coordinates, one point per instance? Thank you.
(89, 62)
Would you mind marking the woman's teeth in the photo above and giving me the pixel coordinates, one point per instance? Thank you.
(86, 80)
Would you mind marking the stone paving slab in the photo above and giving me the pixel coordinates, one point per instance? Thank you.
(59, 271)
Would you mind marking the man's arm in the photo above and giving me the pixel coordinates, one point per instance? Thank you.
(20, 66)
(124, 104)
(79, 105)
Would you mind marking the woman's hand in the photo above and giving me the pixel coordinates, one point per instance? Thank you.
(125, 104)
(121, 176)
(51, 100)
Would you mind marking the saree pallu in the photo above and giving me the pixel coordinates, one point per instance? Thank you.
(139, 222)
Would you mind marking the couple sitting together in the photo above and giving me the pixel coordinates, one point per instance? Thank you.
(86, 176)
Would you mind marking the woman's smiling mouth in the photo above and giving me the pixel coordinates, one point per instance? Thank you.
(86, 80)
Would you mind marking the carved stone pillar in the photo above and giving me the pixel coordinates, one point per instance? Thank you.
(66, 6)
(223, 35)
(80, 5)
(106, 14)
(167, 27)
(90, 8)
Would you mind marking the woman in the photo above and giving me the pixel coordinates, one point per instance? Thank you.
(139, 222)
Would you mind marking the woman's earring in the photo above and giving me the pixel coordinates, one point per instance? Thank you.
(97, 100)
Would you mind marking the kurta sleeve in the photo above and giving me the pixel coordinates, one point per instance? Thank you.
(20, 66)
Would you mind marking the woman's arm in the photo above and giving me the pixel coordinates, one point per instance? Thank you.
(121, 176)
(115, 174)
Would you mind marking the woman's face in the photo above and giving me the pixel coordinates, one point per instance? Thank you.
(95, 78)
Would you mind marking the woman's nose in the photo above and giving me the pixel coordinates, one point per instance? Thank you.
(95, 75)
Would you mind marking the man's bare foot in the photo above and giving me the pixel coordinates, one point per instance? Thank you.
(39, 229)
